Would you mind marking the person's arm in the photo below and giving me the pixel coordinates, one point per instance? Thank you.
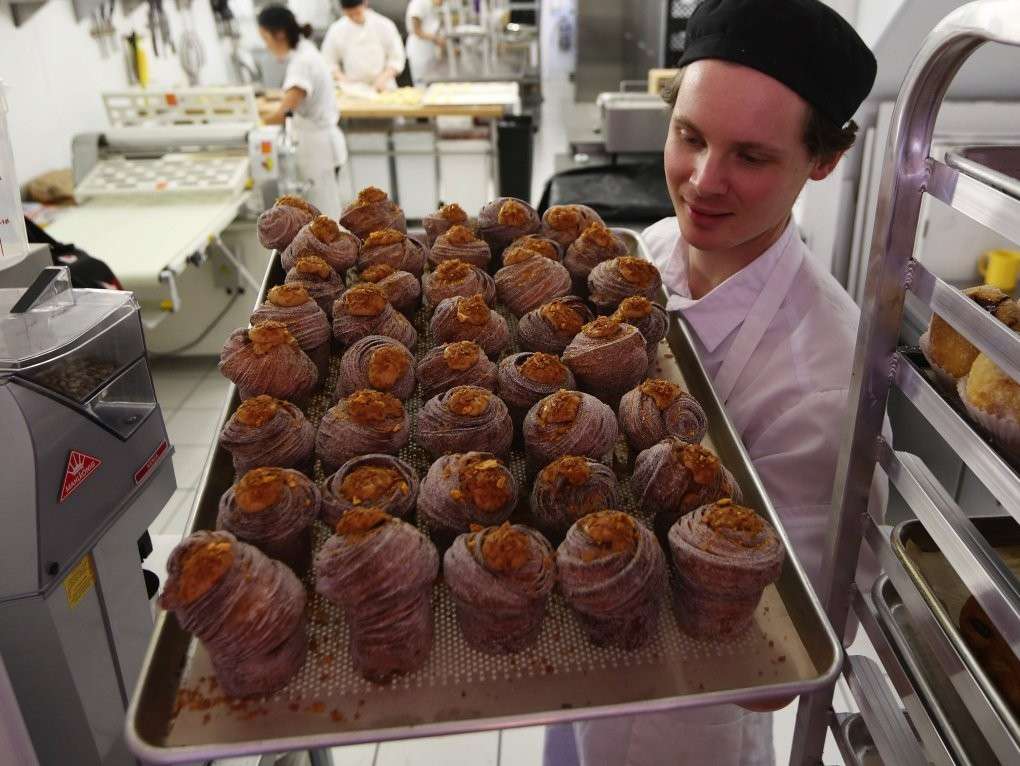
(419, 31)
(292, 99)
(395, 56)
(332, 51)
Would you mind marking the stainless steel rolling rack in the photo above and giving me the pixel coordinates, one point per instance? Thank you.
(945, 709)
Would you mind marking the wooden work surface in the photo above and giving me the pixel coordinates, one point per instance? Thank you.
(359, 108)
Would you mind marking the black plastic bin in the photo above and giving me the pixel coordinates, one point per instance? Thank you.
(516, 154)
(621, 193)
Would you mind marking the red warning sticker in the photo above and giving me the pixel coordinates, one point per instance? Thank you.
(142, 472)
(79, 467)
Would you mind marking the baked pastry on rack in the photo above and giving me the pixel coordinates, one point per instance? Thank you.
(379, 363)
(393, 248)
(465, 489)
(596, 245)
(273, 509)
(569, 423)
(442, 220)
(565, 223)
(460, 243)
(724, 555)
(568, 489)
(265, 359)
(992, 400)
(318, 279)
(364, 310)
(657, 408)
(528, 279)
(462, 363)
(323, 237)
(552, 326)
(611, 572)
(505, 219)
(451, 279)
(528, 376)
(402, 288)
(648, 317)
(247, 609)
(464, 419)
(373, 210)
(268, 431)
(536, 243)
(674, 477)
(608, 357)
(281, 223)
(380, 570)
(500, 579)
(470, 318)
(292, 306)
(612, 281)
(364, 423)
(370, 481)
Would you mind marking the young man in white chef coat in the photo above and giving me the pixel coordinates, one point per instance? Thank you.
(762, 106)
(424, 41)
(364, 47)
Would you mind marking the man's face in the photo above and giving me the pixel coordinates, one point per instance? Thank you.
(735, 159)
(357, 13)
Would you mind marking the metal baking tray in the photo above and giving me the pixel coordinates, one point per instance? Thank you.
(997, 166)
(177, 715)
(945, 593)
(947, 711)
(855, 742)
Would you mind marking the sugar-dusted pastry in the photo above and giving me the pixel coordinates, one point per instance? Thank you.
(569, 423)
(265, 359)
(527, 280)
(273, 509)
(463, 419)
(247, 609)
(281, 223)
(393, 248)
(500, 579)
(724, 555)
(265, 431)
(526, 377)
(648, 317)
(292, 306)
(452, 279)
(364, 423)
(658, 408)
(569, 488)
(611, 572)
(674, 477)
(460, 243)
(364, 310)
(373, 210)
(379, 363)
(552, 326)
(370, 481)
(380, 570)
(565, 223)
(535, 243)
(949, 353)
(318, 279)
(505, 219)
(470, 318)
(323, 237)
(595, 245)
(462, 363)
(612, 281)
(992, 400)
(402, 288)
(465, 489)
(607, 357)
(442, 220)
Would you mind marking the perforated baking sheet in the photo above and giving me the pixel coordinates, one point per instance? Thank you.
(789, 649)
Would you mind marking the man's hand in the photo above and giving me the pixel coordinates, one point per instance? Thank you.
(382, 81)
(338, 76)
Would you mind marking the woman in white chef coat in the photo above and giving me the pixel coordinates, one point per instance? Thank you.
(424, 42)
(308, 93)
(364, 47)
(761, 107)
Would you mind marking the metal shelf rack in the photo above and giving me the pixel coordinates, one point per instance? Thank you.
(935, 681)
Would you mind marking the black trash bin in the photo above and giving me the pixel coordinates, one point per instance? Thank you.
(516, 153)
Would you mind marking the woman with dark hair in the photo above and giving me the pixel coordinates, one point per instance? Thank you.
(309, 94)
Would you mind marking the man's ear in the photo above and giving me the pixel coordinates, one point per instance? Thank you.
(823, 166)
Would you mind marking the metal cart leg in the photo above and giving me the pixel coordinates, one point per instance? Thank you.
(320, 757)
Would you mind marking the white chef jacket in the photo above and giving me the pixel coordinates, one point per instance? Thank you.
(421, 52)
(362, 51)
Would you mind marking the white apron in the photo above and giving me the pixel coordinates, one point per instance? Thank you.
(320, 152)
(421, 55)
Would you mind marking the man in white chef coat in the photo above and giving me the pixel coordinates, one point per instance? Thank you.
(762, 106)
(364, 47)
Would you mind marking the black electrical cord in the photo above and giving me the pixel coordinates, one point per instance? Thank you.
(205, 334)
